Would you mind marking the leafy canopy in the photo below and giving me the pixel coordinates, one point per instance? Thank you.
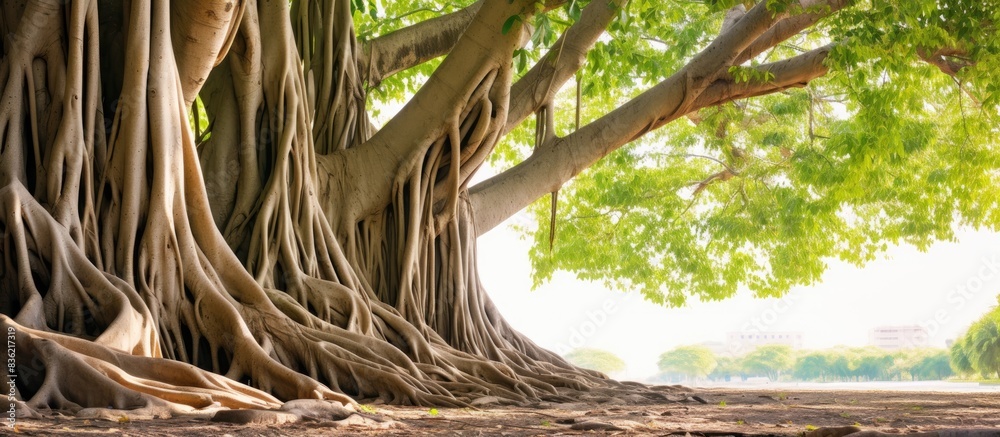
(978, 350)
(761, 193)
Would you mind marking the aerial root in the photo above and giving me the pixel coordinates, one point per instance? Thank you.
(59, 288)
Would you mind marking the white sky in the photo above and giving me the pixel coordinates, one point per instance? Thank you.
(944, 289)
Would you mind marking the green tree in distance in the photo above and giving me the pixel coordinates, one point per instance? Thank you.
(771, 361)
(874, 365)
(978, 350)
(727, 368)
(813, 366)
(690, 361)
(932, 365)
(596, 359)
(292, 248)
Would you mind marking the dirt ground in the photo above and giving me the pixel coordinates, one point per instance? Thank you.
(704, 412)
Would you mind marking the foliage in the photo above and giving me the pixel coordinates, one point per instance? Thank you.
(726, 368)
(978, 350)
(886, 149)
(812, 366)
(934, 366)
(596, 359)
(840, 364)
(769, 360)
(690, 361)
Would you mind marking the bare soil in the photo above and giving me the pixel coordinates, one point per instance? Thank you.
(705, 412)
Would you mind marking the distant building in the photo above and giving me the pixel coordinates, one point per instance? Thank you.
(717, 347)
(899, 337)
(743, 342)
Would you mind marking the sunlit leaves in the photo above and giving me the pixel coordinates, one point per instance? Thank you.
(742, 74)
(978, 350)
(889, 147)
(760, 194)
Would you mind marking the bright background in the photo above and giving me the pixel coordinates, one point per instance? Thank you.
(944, 289)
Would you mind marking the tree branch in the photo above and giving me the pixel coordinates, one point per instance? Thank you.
(479, 60)
(410, 46)
(563, 158)
(785, 29)
(413, 45)
(503, 195)
(947, 59)
(794, 72)
(568, 53)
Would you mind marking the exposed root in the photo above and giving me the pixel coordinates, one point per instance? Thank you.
(115, 272)
(64, 373)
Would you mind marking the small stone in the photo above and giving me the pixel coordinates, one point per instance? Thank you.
(317, 409)
(485, 400)
(255, 417)
(833, 431)
(358, 420)
(595, 426)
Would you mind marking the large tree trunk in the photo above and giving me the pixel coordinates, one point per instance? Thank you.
(299, 256)
(295, 251)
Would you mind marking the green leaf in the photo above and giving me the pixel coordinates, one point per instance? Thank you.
(573, 10)
(510, 23)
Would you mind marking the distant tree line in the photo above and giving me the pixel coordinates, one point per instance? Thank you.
(780, 362)
(974, 354)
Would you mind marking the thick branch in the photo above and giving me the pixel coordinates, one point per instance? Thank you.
(410, 46)
(545, 79)
(949, 60)
(556, 163)
(789, 73)
(785, 29)
(433, 112)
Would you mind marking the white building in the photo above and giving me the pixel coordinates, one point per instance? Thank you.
(899, 337)
(717, 347)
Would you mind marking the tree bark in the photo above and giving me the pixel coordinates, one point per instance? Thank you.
(702, 83)
(293, 252)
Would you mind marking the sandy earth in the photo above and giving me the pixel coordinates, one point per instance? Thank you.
(705, 412)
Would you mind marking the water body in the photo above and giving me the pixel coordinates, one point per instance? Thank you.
(924, 386)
